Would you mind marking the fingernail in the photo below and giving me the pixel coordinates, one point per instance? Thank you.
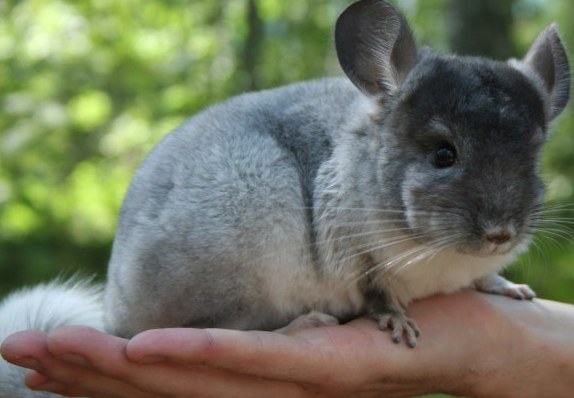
(73, 358)
(151, 359)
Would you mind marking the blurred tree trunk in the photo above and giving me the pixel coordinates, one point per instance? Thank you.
(481, 28)
(252, 44)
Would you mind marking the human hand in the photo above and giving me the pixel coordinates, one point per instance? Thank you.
(206, 363)
(465, 338)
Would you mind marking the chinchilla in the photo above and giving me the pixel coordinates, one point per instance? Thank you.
(416, 174)
(321, 201)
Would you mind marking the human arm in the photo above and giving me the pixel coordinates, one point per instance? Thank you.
(472, 344)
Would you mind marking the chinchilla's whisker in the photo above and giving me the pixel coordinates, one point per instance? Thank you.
(365, 220)
(565, 234)
(432, 249)
(545, 212)
(381, 211)
(546, 244)
(363, 213)
(423, 255)
(368, 246)
(540, 247)
(420, 253)
(446, 241)
(382, 266)
(441, 247)
(563, 229)
(364, 216)
(537, 245)
(556, 207)
(550, 239)
(550, 221)
(386, 230)
(361, 223)
(359, 209)
(555, 226)
(388, 243)
(417, 254)
(554, 215)
(399, 262)
(563, 220)
(359, 235)
(556, 236)
(373, 247)
(561, 211)
(442, 224)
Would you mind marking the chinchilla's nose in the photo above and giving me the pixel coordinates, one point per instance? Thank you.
(499, 238)
(499, 235)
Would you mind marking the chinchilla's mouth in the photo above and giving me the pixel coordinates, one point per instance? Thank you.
(475, 245)
(479, 241)
(484, 248)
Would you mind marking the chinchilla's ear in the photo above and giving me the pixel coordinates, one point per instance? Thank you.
(375, 46)
(547, 58)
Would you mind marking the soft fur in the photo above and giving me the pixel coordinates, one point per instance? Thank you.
(45, 307)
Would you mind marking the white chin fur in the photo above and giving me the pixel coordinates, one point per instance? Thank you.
(446, 271)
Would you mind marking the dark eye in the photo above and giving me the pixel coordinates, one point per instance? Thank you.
(444, 156)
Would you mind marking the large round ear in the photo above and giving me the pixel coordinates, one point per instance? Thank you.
(547, 58)
(375, 46)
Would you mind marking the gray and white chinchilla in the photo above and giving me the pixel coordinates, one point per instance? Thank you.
(331, 199)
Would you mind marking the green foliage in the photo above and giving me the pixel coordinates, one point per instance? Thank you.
(87, 88)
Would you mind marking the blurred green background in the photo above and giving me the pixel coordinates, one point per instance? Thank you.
(87, 87)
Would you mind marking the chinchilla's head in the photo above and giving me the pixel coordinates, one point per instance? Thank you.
(460, 137)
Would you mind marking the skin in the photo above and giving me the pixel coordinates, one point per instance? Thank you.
(472, 344)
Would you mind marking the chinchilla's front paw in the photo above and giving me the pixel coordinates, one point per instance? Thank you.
(496, 284)
(517, 291)
(398, 323)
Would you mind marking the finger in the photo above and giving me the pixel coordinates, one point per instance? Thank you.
(21, 348)
(262, 354)
(73, 350)
(39, 382)
(104, 354)
(76, 381)
(26, 349)
(69, 343)
(29, 349)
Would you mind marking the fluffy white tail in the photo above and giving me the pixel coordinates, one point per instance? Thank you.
(45, 307)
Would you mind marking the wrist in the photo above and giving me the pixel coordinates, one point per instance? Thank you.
(495, 340)
(497, 362)
(472, 337)
(532, 355)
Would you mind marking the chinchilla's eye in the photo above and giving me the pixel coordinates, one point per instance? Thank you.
(444, 156)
